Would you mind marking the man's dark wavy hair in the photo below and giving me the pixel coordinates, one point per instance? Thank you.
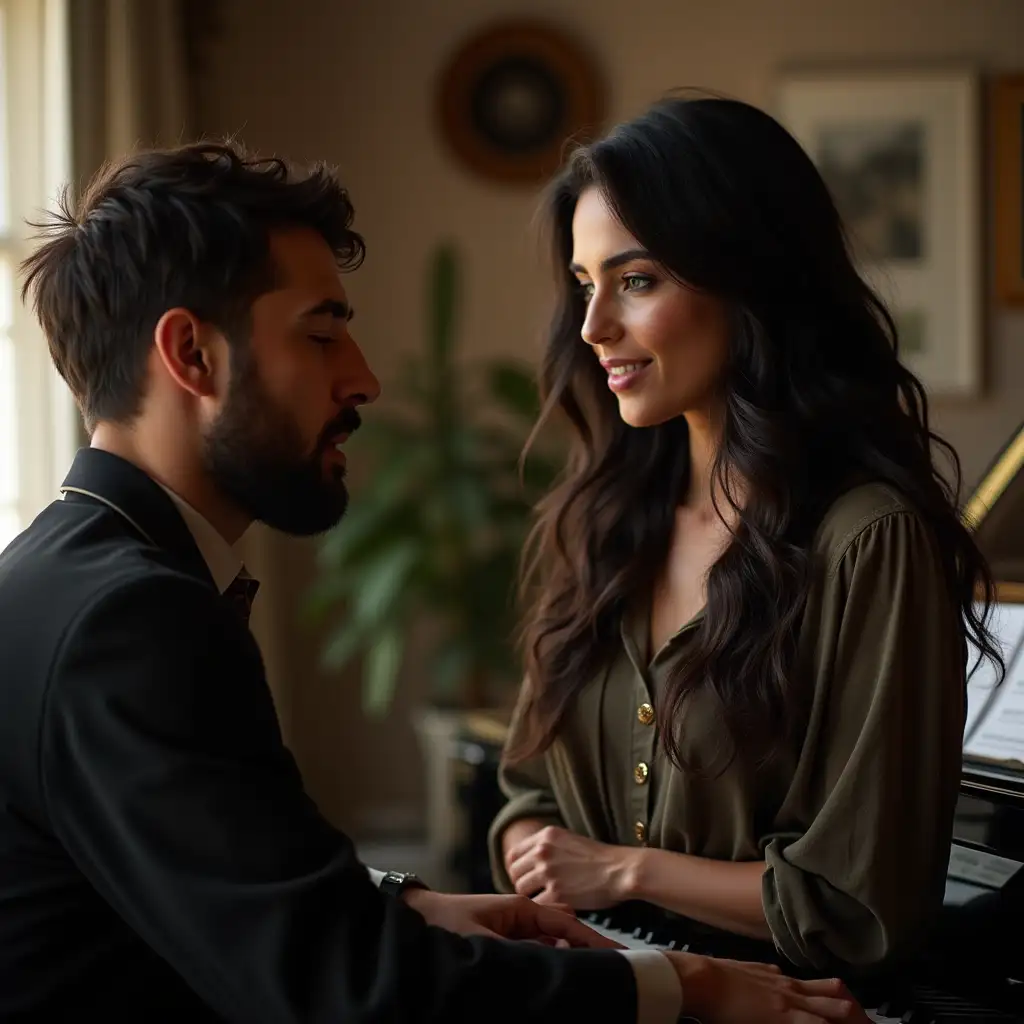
(188, 227)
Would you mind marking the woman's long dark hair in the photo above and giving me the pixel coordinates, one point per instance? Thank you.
(726, 201)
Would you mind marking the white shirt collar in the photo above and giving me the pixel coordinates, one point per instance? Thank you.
(220, 557)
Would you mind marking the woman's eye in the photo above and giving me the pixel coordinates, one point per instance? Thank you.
(631, 283)
(638, 282)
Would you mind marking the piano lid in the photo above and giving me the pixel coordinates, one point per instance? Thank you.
(995, 512)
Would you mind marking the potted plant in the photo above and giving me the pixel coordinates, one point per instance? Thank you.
(435, 534)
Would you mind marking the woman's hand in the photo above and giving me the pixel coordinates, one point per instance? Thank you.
(556, 866)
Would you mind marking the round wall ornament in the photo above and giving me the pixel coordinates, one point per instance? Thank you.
(511, 98)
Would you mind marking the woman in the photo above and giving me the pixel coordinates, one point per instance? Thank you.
(746, 652)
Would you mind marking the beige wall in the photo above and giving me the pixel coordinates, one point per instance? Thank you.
(351, 82)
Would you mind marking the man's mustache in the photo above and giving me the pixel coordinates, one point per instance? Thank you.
(346, 422)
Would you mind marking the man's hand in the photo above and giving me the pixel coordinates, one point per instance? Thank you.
(735, 992)
(505, 917)
(554, 865)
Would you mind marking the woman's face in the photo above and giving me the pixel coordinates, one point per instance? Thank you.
(663, 345)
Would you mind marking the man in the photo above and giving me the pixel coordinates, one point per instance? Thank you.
(158, 857)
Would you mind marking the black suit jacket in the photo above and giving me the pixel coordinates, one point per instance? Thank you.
(159, 859)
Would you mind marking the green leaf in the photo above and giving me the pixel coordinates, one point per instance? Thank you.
(379, 596)
(383, 580)
(469, 502)
(380, 672)
(513, 386)
(384, 509)
(327, 592)
(344, 644)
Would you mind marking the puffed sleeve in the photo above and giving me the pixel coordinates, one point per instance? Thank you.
(856, 867)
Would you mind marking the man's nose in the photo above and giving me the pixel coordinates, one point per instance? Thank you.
(356, 382)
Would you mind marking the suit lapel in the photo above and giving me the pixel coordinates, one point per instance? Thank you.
(101, 477)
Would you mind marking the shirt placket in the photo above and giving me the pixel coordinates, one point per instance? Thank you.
(639, 782)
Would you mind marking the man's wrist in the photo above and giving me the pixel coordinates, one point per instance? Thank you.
(659, 990)
(699, 981)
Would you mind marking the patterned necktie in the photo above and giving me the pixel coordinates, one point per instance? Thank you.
(241, 593)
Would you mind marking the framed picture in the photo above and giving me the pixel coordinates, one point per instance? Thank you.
(1006, 109)
(900, 154)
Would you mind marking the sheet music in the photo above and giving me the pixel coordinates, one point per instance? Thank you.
(1007, 627)
(999, 732)
(979, 867)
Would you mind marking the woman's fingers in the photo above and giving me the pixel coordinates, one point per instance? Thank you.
(531, 883)
(519, 866)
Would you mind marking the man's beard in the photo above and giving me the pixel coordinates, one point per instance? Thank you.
(256, 456)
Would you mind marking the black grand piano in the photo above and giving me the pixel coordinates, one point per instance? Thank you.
(972, 971)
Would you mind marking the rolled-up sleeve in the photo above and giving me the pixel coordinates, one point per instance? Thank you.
(527, 788)
(856, 868)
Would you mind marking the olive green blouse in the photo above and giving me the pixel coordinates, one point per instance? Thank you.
(854, 822)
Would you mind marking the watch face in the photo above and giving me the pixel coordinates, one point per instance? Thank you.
(396, 881)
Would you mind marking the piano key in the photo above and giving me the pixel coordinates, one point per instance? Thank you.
(906, 1004)
(892, 1008)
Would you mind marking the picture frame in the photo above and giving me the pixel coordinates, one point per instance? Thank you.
(1006, 121)
(900, 152)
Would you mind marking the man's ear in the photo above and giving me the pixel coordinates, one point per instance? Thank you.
(189, 351)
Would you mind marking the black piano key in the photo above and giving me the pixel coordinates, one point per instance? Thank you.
(930, 1006)
(895, 995)
(663, 936)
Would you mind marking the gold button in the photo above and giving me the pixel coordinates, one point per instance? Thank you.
(640, 773)
(645, 713)
(640, 831)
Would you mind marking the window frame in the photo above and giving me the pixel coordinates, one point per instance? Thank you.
(37, 158)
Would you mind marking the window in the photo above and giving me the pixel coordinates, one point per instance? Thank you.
(38, 422)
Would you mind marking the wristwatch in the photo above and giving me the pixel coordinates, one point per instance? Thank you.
(394, 883)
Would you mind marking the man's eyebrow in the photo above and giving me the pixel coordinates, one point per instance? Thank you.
(611, 262)
(330, 307)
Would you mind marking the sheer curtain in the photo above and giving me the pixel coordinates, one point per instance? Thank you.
(129, 78)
